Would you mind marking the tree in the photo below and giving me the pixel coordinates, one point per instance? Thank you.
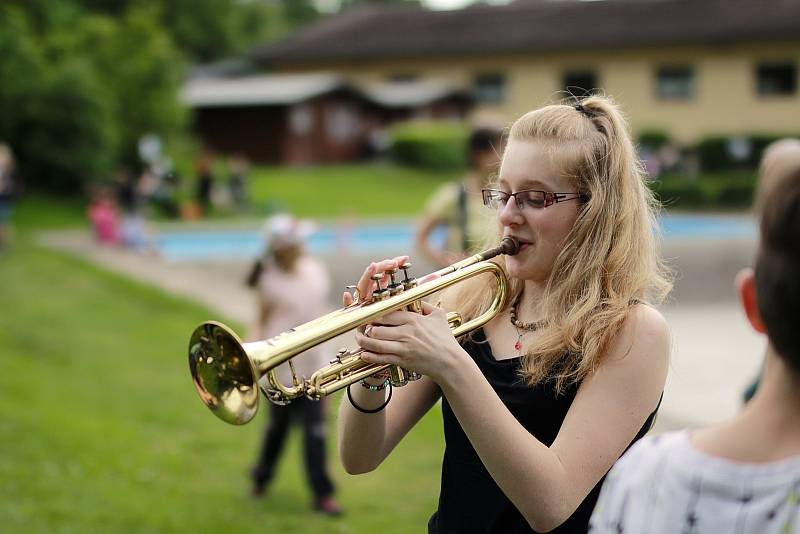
(56, 117)
(143, 71)
(80, 90)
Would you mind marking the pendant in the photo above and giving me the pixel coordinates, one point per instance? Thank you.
(517, 345)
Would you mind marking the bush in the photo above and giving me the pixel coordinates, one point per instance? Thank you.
(683, 194)
(729, 190)
(73, 137)
(430, 145)
(653, 139)
(714, 156)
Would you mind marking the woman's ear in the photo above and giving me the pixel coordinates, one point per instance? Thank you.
(746, 289)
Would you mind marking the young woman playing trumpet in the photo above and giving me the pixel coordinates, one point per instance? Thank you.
(540, 402)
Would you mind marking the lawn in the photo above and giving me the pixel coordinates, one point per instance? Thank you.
(347, 190)
(102, 430)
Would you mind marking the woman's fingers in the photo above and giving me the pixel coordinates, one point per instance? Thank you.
(386, 333)
(428, 308)
(377, 346)
(347, 299)
(395, 318)
(366, 285)
(372, 357)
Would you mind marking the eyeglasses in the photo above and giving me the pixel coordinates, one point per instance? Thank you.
(496, 199)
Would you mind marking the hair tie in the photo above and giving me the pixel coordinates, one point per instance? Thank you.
(580, 109)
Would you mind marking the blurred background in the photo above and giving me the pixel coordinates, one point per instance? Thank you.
(144, 142)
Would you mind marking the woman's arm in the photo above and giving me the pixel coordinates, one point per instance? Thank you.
(548, 484)
(365, 440)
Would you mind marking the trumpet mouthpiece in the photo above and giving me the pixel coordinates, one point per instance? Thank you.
(510, 246)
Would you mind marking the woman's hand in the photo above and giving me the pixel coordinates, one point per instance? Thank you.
(423, 343)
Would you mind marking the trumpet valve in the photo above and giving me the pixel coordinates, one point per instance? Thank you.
(380, 293)
(407, 282)
(339, 355)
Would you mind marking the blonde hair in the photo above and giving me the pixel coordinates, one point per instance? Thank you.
(609, 258)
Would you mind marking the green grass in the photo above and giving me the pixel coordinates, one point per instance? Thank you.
(346, 190)
(102, 430)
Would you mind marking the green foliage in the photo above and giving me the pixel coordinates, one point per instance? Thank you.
(23, 69)
(143, 71)
(73, 136)
(430, 145)
(723, 190)
(83, 89)
(653, 139)
(714, 154)
(299, 12)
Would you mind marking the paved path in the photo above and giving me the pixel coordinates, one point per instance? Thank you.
(715, 353)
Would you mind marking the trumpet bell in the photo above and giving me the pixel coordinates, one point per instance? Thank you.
(222, 373)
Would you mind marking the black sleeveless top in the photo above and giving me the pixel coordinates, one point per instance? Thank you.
(470, 501)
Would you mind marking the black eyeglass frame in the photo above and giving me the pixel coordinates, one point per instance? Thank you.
(550, 197)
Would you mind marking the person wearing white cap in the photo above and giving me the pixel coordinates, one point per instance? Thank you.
(292, 288)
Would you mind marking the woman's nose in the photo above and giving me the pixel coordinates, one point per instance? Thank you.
(510, 214)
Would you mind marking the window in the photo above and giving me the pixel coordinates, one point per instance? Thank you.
(490, 88)
(675, 83)
(775, 79)
(341, 122)
(301, 119)
(580, 82)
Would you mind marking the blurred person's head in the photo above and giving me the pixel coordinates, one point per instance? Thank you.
(484, 147)
(285, 237)
(771, 295)
(778, 159)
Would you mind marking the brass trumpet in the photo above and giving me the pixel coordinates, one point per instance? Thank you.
(225, 371)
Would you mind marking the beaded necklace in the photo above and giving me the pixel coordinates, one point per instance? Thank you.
(522, 328)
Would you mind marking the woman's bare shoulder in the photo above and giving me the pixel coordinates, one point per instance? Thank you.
(643, 336)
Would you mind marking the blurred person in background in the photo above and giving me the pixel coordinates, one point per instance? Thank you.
(131, 201)
(458, 205)
(237, 182)
(292, 288)
(8, 191)
(742, 475)
(204, 167)
(539, 403)
(104, 216)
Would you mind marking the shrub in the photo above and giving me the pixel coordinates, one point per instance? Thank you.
(430, 145)
(653, 139)
(680, 193)
(714, 156)
(728, 190)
